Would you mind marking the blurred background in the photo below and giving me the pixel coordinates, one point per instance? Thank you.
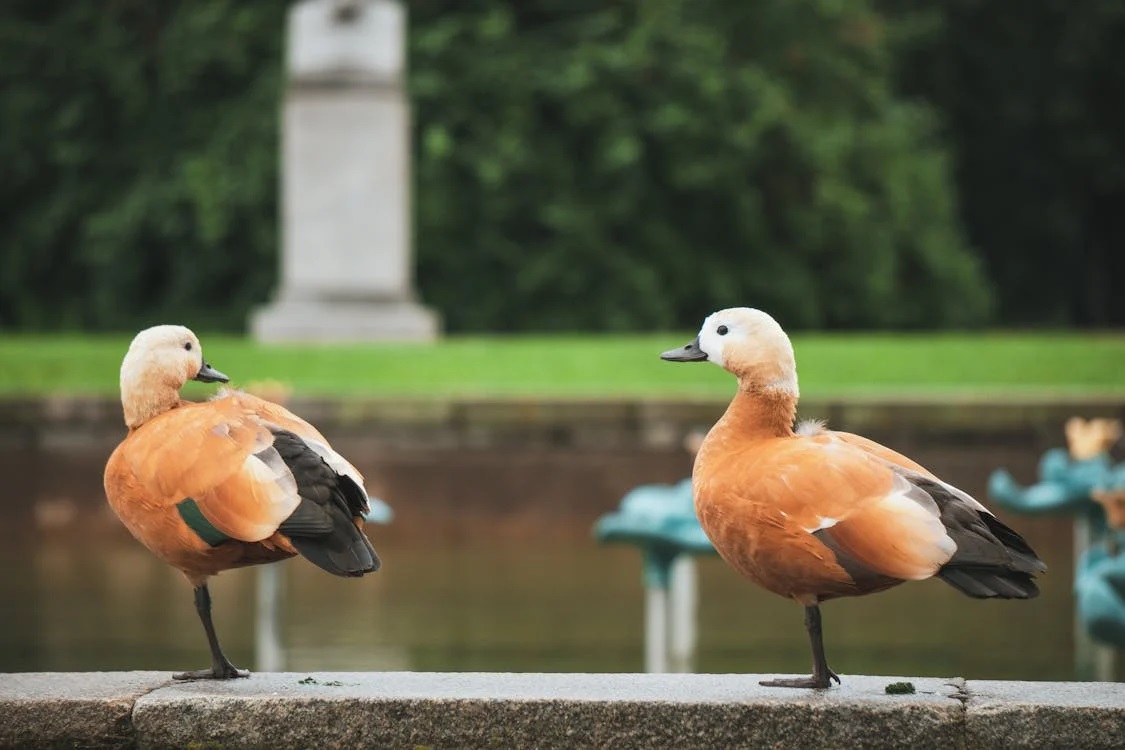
(842, 164)
(931, 183)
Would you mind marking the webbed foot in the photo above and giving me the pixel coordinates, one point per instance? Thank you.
(218, 672)
(818, 682)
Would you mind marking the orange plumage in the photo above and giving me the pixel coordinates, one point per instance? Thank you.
(231, 482)
(813, 514)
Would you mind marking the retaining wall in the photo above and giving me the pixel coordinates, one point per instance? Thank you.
(619, 711)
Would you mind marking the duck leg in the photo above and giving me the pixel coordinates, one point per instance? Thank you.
(822, 676)
(221, 668)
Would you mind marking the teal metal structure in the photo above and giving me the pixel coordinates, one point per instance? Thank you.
(1065, 487)
(659, 519)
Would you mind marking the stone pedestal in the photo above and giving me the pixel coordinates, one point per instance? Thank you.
(346, 256)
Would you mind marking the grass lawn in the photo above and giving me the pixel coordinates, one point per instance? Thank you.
(1047, 364)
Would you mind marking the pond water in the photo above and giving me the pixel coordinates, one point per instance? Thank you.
(465, 588)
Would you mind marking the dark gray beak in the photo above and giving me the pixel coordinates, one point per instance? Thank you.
(688, 353)
(208, 374)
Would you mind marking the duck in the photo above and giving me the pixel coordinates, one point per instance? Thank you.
(812, 514)
(226, 483)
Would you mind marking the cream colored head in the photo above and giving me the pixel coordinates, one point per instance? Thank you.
(748, 343)
(159, 361)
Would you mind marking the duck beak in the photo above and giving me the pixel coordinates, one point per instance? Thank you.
(208, 374)
(687, 353)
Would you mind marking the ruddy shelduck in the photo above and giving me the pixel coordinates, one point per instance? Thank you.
(226, 483)
(811, 514)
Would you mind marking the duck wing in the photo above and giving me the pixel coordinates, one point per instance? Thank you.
(250, 478)
(988, 559)
(880, 527)
(220, 461)
(278, 416)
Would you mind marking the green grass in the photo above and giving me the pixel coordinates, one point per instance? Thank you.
(599, 365)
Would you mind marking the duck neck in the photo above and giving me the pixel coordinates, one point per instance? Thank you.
(142, 400)
(759, 413)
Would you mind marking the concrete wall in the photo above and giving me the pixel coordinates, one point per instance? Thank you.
(460, 423)
(619, 711)
(532, 465)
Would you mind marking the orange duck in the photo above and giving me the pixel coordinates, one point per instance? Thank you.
(231, 482)
(811, 514)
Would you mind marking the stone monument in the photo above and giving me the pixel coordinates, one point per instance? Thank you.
(346, 255)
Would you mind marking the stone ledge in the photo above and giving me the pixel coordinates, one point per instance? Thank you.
(474, 710)
(587, 423)
(72, 709)
(1045, 714)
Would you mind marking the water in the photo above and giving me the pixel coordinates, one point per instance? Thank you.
(104, 603)
(488, 576)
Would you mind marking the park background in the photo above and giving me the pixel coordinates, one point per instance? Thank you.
(591, 166)
(926, 193)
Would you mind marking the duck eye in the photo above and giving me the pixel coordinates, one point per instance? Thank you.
(187, 347)
(722, 330)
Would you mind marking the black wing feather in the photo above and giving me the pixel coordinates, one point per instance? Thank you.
(992, 560)
(323, 526)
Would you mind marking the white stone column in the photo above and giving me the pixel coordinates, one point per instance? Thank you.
(346, 241)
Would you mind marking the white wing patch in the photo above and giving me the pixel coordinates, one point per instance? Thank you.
(270, 474)
(912, 502)
(823, 522)
(964, 496)
(268, 466)
(337, 462)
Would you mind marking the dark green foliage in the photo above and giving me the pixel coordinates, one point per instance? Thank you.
(579, 165)
(1032, 97)
(639, 165)
(139, 145)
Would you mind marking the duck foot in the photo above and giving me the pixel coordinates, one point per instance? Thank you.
(813, 681)
(822, 676)
(221, 668)
(219, 672)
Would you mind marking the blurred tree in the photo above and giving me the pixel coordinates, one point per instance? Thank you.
(1032, 101)
(579, 165)
(139, 142)
(592, 165)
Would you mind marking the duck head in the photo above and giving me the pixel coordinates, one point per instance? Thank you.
(159, 361)
(747, 343)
